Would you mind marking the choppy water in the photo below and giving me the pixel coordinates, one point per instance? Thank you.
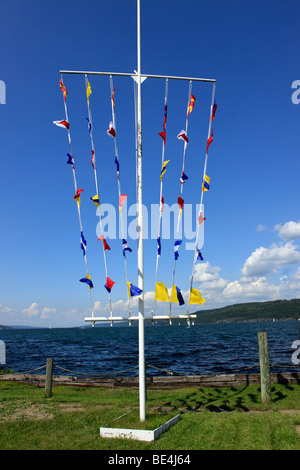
(209, 348)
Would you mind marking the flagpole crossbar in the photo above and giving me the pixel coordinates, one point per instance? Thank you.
(134, 75)
(133, 317)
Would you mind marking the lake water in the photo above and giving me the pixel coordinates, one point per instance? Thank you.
(200, 349)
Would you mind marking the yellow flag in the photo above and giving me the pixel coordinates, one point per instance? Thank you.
(196, 297)
(88, 91)
(174, 297)
(161, 292)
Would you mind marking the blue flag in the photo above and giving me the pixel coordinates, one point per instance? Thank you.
(87, 280)
(179, 296)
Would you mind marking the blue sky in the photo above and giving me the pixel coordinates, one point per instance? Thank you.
(252, 226)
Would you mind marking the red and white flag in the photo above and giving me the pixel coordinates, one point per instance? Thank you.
(63, 123)
(182, 136)
(111, 131)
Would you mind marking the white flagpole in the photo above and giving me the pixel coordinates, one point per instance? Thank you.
(142, 371)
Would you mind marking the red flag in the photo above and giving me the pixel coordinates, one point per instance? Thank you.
(201, 219)
(180, 202)
(209, 141)
(122, 199)
(109, 284)
(63, 89)
(214, 112)
(182, 136)
(105, 244)
(191, 105)
(162, 203)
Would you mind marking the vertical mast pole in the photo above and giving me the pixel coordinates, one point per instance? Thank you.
(142, 375)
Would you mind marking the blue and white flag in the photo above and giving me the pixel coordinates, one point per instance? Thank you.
(158, 246)
(83, 243)
(176, 248)
(199, 255)
(126, 247)
(70, 159)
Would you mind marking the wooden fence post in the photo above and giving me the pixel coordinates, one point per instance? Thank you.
(264, 362)
(48, 378)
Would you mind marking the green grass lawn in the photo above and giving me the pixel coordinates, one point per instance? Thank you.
(211, 419)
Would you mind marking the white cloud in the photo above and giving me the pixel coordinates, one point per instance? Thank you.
(32, 310)
(261, 228)
(268, 260)
(288, 231)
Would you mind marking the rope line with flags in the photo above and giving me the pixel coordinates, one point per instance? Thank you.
(65, 124)
(176, 296)
(112, 131)
(161, 292)
(96, 199)
(194, 295)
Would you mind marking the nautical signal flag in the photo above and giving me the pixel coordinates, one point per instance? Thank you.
(93, 159)
(122, 199)
(161, 292)
(83, 243)
(95, 200)
(105, 244)
(183, 136)
(62, 123)
(191, 104)
(118, 166)
(176, 248)
(183, 178)
(126, 247)
(199, 254)
(133, 290)
(77, 196)
(113, 99)
(109, 284)
(163, 169)
(205, 183)
(176, 295)
(162, 203)
(163, 133)
(158, 246)
(63, 89)
(111, 131)
(88, 281)
(201, 218)
(214, 111)
(88, 91)
(70, 159)
(209, 140)
(89, 125)
(180, 204)
(195, 297)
